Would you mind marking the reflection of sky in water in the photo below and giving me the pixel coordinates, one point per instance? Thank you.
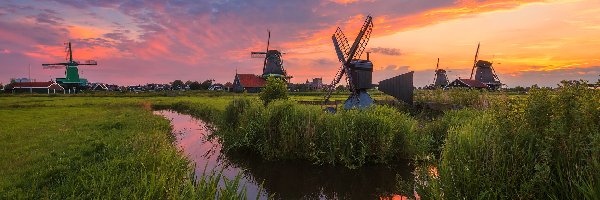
(191, 135)
(288, 180)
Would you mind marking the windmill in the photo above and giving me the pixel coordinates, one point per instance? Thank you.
(358, 72)
(440, 79)
(72, 78)
(273, 63)
(484, 72)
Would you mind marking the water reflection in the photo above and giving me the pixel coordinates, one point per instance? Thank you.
(289, 179)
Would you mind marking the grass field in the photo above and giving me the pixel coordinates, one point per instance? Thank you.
(95, 147)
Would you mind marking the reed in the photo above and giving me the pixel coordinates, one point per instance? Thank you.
(544, 146)
(286, 130)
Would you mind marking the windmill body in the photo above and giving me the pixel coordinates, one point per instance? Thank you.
(484, 72)
(441, 79)
(273, 62)
(274, 65)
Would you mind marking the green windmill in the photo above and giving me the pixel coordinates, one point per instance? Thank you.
(72, 78)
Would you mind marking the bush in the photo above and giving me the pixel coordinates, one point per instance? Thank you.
(286, 130)
(455, 96)
(275, 89)
(547, 145)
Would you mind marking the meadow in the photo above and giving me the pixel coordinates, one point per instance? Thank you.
(488, 145)
(96, 147)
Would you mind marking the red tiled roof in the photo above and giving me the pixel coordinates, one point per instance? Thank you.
(32, 84)
(251, 80)
(473, 83)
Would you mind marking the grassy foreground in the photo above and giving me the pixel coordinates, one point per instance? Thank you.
(88, 148)
(542, 145)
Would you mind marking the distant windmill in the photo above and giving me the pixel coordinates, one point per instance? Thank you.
(273, 62)
(72, 78)
(441, 79)
(484, 72)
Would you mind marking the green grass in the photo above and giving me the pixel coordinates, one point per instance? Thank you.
(545, 146)
(87, 148)
(542, 145)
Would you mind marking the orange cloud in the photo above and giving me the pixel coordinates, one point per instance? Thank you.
(347, 1)
(85, 32)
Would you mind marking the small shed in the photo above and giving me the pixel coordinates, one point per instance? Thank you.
(468, 83)
(248, 82)
(36, 87)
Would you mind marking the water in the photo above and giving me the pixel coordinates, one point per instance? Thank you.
(287, 180)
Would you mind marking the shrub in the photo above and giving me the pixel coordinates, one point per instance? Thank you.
(455, 96)
(276, 88)
(287, 130)
(546, 145)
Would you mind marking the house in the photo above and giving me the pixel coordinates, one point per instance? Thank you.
(468, 83)
(248, 82)
(36, 87)
(316, 84)
(99, 87)
(216, 87)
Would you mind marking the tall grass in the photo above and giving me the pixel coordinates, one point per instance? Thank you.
(455, 96)
(546, 146)
(286, 130)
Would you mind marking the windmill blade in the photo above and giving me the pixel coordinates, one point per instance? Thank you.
(361, 40)
(494, 73)
(258, 54)
(340, 53)
(50, 64)
(88, 62)
(475, 60)
(367, 28)
(53, 66)
(340, 42)
(335, 81)
(268, 42)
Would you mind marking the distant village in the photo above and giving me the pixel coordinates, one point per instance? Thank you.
(246, 82)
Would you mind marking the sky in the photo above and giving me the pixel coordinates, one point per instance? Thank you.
(137, 42)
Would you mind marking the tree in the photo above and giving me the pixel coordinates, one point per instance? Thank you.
(275, 89)
(341, 88)
(177, 85)
(206, 84)
(195, 86)
(519, 89)
(1, 86)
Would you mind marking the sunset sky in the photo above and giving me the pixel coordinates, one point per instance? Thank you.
(137, 42)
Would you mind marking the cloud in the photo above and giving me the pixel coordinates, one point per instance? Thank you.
(196, 39)
(386, 51)
(550, 78)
